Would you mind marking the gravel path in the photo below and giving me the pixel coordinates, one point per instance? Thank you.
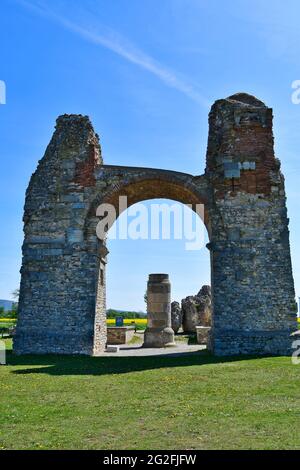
(137, 350)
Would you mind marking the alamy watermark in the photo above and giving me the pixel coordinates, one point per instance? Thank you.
(296, 94)
(296, 353)
(2, 353)
(159, 221)
(2, 92)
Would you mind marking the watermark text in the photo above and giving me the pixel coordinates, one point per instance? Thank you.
(157, 221)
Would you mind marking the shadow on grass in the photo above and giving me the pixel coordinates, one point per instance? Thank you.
(84, 365)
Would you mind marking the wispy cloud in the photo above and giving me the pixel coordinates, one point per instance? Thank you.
(119, 45)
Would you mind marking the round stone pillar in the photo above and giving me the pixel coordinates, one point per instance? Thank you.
(159, 332)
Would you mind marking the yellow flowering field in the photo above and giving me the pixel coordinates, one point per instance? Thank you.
(109, 321)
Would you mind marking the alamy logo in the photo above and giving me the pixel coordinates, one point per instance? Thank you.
(296, 94)
(296, 353)
(2, 92)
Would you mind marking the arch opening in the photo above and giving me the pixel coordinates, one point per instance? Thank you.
(132, 258)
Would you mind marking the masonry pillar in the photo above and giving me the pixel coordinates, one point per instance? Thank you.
(254, 310)
(159, 332)
(62, 274)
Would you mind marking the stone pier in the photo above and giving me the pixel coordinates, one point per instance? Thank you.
(159, 332)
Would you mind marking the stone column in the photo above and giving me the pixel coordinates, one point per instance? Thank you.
(159, 333)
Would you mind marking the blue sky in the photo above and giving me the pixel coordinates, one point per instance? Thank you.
(146, 72)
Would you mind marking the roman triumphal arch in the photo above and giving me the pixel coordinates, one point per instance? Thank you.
(62, 295)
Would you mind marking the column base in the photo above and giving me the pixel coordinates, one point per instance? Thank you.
(159, 338)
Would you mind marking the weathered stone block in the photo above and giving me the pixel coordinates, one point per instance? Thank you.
(203, 333)
(74, 235)
(119, 334)
(196, 310)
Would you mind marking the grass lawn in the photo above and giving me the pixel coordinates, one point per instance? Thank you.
(186, 402)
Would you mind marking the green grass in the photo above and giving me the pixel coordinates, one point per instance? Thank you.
(184, 402)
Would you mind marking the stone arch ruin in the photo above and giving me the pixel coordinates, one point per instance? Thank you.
(62, 295)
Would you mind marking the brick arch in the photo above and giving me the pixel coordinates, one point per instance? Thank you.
(147, 189)
(144, 185)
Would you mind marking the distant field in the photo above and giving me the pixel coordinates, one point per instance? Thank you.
(141, 321)
(110, 321)
(7, 322)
